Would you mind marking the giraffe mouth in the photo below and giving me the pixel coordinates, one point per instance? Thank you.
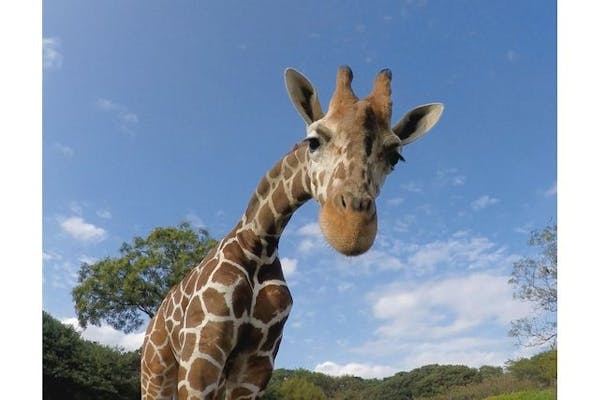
(349, 232)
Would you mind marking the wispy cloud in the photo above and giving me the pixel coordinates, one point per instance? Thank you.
(450, 176)
(83, 231)
(50, 256)
(483, 202)
(445, 308)
(366, 371)
(63, 149)
(311, 238)
(76, 207)
(52, 58)
(412, 187)
(289, 266)
(512, 56)
(59, 274)
(87, 259)
(125, 119)
(551, 191)
(526, 228)
(107, 335)
(461, 250)
(373, 259)
(195, 220)
(395, 201)
(443, 321)
(104, 214)
(472, 350)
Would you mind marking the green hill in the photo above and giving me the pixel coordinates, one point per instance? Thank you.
(78, 369)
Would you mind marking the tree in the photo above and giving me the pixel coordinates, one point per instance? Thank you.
(534, 280)
(74, 368)
(541, 368)
(122, 291)
(300, 389)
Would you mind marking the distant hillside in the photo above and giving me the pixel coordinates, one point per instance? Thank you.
(534, 377)
(79, 369)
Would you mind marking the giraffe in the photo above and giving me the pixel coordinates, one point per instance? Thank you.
(216, 334)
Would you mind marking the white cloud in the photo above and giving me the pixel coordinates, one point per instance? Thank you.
(64, 150)
(104, 214)
(445, 308)
(195, 220)
(129, 117)
(310, 229)
(106, 105)
(306, 245)
(83, 231)
(526, 228)
(460, 250)
(76, 208)
(87, 259)
(374, 258)
(366, 371)
(289, 266)
(312, 238)
(126, 120)
(51, 56)
(512, 56)
(412, 187)
(450, 321)
(473, 351)
(483, 202)
(450, 176)
(50, 256)
(60, 275)
(107, 335)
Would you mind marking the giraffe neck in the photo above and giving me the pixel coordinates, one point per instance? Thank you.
(279, 193)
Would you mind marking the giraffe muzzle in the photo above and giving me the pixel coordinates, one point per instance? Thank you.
(349, 223)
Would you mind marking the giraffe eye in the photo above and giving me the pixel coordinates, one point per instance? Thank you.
(393, 157)
(313, 143)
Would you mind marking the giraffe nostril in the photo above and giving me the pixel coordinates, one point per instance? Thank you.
(349, 201)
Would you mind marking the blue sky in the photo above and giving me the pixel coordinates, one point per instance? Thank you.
(155, 113)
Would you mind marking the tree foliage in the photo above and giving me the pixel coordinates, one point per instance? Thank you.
(301, 389)
(534, 280)
(122, 291)
(425, 381)
(541, 368)
(74, 368)
(421, 382)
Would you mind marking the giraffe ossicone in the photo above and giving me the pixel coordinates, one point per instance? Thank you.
(216, 334)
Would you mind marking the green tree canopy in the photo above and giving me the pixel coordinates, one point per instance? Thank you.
(122, 291)
(300, 389)
(534, 280)
(74, 368)
(541, 368)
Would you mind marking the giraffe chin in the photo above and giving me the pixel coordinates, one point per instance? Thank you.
(349, 232)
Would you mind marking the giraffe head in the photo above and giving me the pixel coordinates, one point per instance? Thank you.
(352, 148)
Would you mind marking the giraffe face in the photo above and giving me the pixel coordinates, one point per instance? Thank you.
(351, 150)
(350, 154)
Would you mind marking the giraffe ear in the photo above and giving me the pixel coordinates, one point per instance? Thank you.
(417, 122)
(303, 95)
